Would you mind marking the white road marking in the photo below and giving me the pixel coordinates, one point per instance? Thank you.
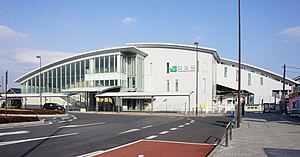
(187, 123)
(163, 132)
(145, 127)
(70, 120)
(141, 156)
(35, 139)
(192, 121)
(83, 125)
(181, 126)
(91, 154)
(173, 129)
(13, 133)
(178, 142)
(128, 144)
(151, 137)
(128, 131)
(61, 122)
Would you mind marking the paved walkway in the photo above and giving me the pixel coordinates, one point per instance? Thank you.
(264, 135)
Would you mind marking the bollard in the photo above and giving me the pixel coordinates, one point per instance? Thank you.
(226, 138)
(230, 133)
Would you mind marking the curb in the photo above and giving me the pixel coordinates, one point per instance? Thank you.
(8, 125)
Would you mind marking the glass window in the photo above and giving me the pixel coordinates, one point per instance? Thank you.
(111, 82)
(45, 82)
(249, 79)
(87, 66)
(50, 81)
(58, 80)
(33, 85)
(168, 85)
(111, 64)
(106, 63)
(82, 72)
(63, 77)
(116, 82)
(261, 81)
(68, 76)
(37, 84)
(116, 64)
(225, 72)
(106, 83)
(54, 80)
(176, 85)
(101, 64)
(72, 73)
(101, 82)
(97, 60)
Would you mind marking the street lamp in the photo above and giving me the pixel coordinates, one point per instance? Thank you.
(40, 57)
(239, 66)
(197, 66)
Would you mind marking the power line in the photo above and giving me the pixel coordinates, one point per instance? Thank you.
(292, 67)
(293, 71)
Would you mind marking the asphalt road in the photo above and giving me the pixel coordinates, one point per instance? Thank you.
(85, 133)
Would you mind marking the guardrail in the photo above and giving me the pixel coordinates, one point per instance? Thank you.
(227, 136)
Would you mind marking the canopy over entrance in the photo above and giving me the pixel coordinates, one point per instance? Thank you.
(99, 89)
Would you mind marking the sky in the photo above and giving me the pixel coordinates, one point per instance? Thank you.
(270, 29)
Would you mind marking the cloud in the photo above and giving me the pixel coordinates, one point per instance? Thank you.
(129, 20)
(7, 33)
(21, 61)
(199, 32)
(292, 33)
(28, 56)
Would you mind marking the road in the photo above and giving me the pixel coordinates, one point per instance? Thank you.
(86, 133)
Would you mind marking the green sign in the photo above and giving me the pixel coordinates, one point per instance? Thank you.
(173, 69)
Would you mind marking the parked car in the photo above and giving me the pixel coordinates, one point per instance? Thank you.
(53, 106)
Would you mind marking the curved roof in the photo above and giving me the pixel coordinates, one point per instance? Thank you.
(258, 70)
(177, 46)
(126, 49)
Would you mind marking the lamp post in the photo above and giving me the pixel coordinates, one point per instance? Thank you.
(40, 91)
(239, 55)
(197, 66)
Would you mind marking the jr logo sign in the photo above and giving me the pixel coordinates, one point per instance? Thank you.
(180, 68)
(173, 69)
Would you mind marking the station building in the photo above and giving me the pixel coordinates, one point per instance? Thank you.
(150, 77)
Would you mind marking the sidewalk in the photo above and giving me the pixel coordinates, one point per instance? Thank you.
(264, 135)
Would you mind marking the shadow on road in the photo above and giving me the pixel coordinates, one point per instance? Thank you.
(43, 141)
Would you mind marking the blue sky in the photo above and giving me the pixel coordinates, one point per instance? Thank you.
(60, 28)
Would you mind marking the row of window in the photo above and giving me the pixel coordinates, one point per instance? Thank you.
(261, 80)
(73, 75)
(176, 85)
(104, 64)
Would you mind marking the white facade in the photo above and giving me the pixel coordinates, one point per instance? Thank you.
(168, 68)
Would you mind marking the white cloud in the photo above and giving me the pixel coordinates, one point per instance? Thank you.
(292, 33)
(129, 20)
(29, 55)
(7, 33)
(20, 61)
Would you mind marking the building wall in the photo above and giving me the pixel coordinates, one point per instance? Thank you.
(157, 77)
(262, 90)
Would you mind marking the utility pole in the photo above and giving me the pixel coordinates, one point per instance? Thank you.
(197, 67)
(283, 88)
(239, 82)
(6, 85)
